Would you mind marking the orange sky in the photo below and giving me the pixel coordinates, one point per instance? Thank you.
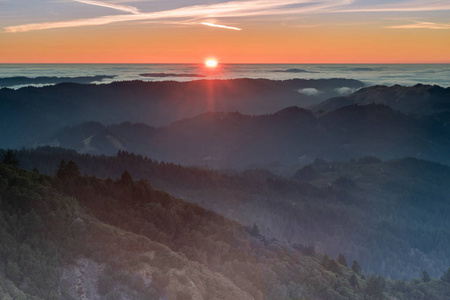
(338, 37)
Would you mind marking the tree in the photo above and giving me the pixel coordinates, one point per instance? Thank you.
(61, 169)
(67, 170)
(426, 277)
(325, 260)
(255, 230)
(446, 276)
(9, 158)
(329, 264)
(341, 259)
(356, 267)
(353, 280)
(126, 179)
(72, 169)
(333, 266)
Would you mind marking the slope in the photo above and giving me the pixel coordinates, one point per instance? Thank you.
(289, 137)
(360, 209)
(419, 99)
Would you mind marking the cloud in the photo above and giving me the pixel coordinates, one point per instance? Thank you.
(226, 9)
(344, 91)
(405, 6)
(245, 8)
(421, 25)
(120, 7)
(310, 92)
(220, 26)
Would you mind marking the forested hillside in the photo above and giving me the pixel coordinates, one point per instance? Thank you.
(359, 209)
(74, 236)
(341, 202)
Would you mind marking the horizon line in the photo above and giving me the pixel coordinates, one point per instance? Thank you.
(223, 63)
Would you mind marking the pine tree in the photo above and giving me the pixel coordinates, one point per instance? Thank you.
(333, 266)
(9, 158)
(60, 173)
(126, 179)
(324, 261)
(426, 277)
(255, 230)
(72, 169)
(356, 267)
(341, 259)
(67, 170)
(446, 276)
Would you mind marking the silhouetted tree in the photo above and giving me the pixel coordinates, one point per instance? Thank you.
(324, 261)
(356, 267)
(426, 277)
(9, 158)
(333, 266)
(126, 179)
(255, 230)
(72, 169)
(329, 264)
(341, 259)
(446, 276)
(67, 170)
(61, 169)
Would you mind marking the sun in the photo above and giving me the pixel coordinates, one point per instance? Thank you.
(211, 63)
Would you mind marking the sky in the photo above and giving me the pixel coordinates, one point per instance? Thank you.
(239, 31)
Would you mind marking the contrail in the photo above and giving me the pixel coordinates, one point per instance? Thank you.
(220, 26)
(120, 7)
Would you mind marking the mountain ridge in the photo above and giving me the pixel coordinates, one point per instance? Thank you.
(419, 99)
(286, 137)
(46, 109)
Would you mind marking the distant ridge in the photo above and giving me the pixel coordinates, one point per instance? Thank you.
(287, 137)
(294, 71)
(294, 111)
(44, 110)
(419, 99)
(21, 80)
(170, 75)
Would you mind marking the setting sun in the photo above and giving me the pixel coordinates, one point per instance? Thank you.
(211, 63)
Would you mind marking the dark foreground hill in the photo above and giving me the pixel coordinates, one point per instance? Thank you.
(419, 99)
(390, 216)
(78, 237)
(28, 114)
(290, 137)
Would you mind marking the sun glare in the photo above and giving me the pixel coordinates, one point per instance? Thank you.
(211, 63)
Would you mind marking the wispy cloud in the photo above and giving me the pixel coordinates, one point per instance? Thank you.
(421, 25)
(405, 6)
(246, 8)
(120, 7)
(227, 9)
(220, 26)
